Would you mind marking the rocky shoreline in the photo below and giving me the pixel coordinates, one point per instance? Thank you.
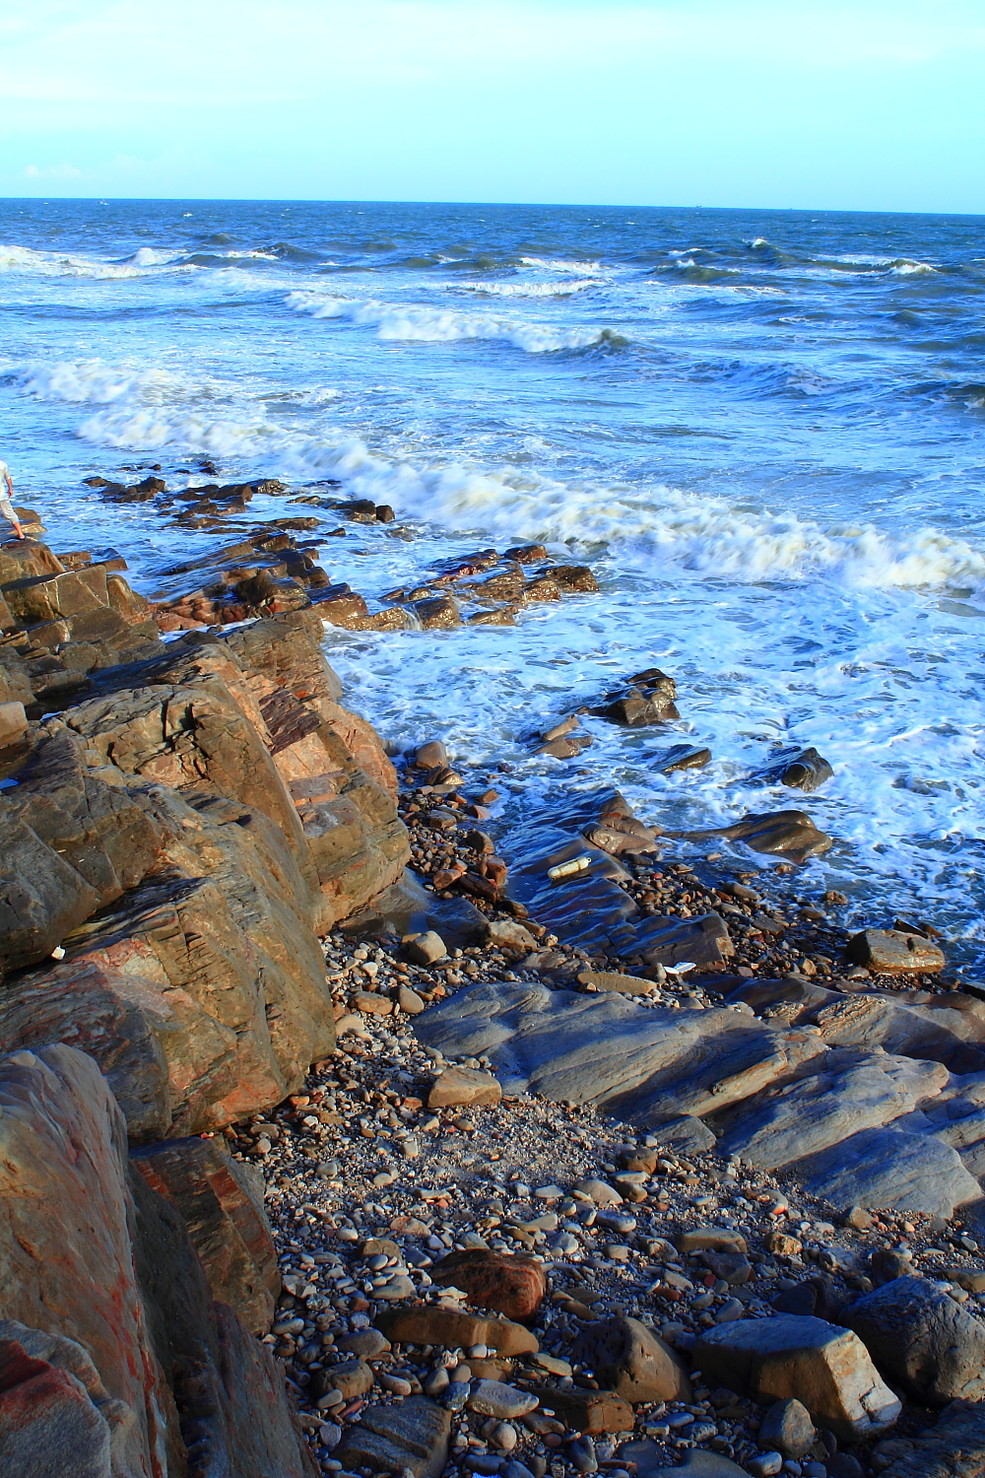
(560, 1153)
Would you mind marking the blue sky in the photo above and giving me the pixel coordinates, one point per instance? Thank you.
(867, 106)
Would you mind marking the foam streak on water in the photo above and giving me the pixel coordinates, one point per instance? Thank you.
(765, 431)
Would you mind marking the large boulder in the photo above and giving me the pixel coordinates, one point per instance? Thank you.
(630, 1360)
(921, 1338)
(789, 1356)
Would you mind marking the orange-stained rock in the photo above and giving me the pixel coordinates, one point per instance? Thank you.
(509, 1283)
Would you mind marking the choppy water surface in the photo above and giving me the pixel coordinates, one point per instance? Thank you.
(765, 431)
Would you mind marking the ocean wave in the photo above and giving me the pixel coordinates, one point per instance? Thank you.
(25, 260)
(92, 382)
(557, 264)
(664, 531)
(532, 289)
(435, 325)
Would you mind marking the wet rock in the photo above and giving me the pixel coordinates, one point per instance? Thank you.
(437, 612)
(431, 1324)
(920, 1337)
(784, 833)
(824, 1367)
(889, 951)
(412, 1437)
(464, 1085)
(628, 1359)
(511, 1284)
(801, 769)
(787, 1426)
(681, 757)
(509, 936)
(647, 698)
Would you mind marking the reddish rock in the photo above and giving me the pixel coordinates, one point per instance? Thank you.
(222, 1208)
(431, 1324)
(510, 1284)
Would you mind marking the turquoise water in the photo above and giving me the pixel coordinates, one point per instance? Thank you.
(765, 430)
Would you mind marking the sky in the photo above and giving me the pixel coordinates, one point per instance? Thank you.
(801, 104)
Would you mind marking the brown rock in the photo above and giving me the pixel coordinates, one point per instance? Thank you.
(648, 698)
(631, 1361)
(510, 1284)
(953, 1448)
(586, 1411)
(890, 951)
(790, 1356)
(464, 1085)
(221, 1204)
(432, 1324)
(437, 612)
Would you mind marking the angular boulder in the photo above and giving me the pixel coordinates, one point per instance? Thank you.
(630, 1360)
(788, 1356)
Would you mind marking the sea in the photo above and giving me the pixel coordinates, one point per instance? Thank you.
(764, 431)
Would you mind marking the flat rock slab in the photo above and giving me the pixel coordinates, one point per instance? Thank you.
(891, 1169)
(433, 1324)
(640, 1062)
(891, 952)
(784, 833)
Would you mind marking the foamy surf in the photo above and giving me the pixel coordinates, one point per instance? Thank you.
(423, 324)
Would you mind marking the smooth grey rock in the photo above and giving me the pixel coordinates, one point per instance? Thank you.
(850, 1091)
(645, 1064)
(917, 1333)
(891, 1169)
(648, 1459)
(689, 1135)
(496, 1398)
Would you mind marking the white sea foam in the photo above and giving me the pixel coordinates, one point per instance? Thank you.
(411, 322)
(667, 531)
(562, 289)
(24, 261)
(553, 264)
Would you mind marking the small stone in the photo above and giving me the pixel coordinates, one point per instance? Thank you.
(712, 1239)
(409, 1002)
(501, 1435)
(494, 1398)
(787, 1426)
(461, 1086)
(766, 1465)
(423, 949)
(367, 1343)
(582, 1455)
(600, 1192)
(350, 1379)
(397, 1288)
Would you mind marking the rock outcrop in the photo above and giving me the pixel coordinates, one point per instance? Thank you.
(116, 1360)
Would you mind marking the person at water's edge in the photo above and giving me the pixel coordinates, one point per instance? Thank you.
(6, 506)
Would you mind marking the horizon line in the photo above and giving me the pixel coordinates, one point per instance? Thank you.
(106, 199)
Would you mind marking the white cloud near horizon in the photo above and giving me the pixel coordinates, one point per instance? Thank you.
(748, 102)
